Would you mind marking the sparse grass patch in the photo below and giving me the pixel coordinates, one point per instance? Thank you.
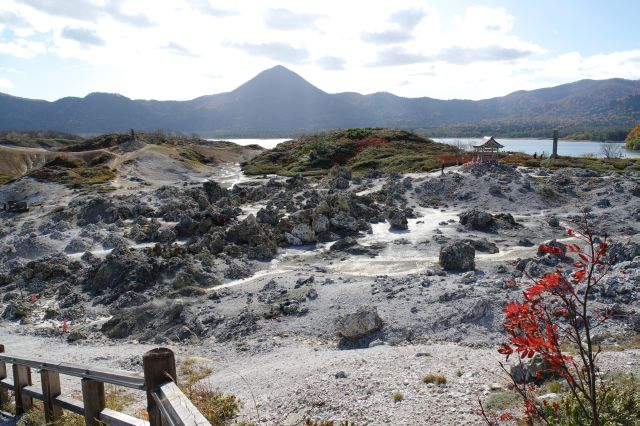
(604, 165)
(215, 406)
(116, 398)
(9, 407)
(5, 178)
(437, 379)
(38, 139)
(189, 154)
(502, 400)
(75, 174)
(458, 373)
(106, 188)
(192, 370)
(397, 397)
(552, 386)
(623, 342)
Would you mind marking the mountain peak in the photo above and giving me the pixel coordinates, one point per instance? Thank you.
(105, 95)
(278, 78)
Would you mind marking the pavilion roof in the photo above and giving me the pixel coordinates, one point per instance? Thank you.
(488, 142)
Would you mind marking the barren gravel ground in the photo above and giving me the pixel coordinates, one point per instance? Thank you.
(295, 380)
(268, 327)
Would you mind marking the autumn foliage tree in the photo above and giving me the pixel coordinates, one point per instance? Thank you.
(555, 310)
(633, 138)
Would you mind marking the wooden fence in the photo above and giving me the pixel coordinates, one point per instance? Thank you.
(166, 404)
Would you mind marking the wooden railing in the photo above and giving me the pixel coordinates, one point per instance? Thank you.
(166, 404)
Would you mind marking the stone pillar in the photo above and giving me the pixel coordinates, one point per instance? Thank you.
(554, 153)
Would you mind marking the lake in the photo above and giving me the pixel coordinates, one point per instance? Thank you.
(532, 146)
(265, 143)
(528, 146)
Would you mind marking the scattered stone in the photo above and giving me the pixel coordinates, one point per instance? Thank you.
(341, 375)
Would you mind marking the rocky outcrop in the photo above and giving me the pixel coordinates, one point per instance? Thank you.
(477, 219)
(123, 270)
(486, 222)
(146, 322)
(457, 256)
(397, 219)
(621, 252)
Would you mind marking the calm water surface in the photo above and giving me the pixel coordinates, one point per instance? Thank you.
(528, 146)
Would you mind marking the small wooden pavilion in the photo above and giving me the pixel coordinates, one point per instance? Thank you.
(487, 149)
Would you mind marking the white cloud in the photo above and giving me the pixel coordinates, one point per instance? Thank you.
(332, 63)
(197, 47)
(84, 36)
(22, 48)
(283, 19)
(5, 83)
(11, 71)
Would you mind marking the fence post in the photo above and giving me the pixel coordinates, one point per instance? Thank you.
(21, 378)
(159, 367)
(50, 389)
(93, 399)
(4, 393)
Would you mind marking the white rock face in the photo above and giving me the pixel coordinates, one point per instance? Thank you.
(321, 224)
(304, 233)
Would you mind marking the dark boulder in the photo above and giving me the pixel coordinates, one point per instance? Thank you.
(457, 256)
(477, 219)
(483, 245)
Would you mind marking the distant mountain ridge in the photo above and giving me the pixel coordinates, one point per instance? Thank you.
(279, 101)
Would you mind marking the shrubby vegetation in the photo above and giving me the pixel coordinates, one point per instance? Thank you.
(555, 313)
(77, 172)
(633, 138)
(361, 150)
(218, 408)
(38, 139)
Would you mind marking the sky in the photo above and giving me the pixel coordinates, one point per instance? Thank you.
(182, 49)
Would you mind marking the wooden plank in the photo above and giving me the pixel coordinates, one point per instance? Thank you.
(69, 404)
(6, 384)
(32, 391)
(50, 389)
(21, 378)
(159, 366)
(176, 408)
(4, 392)
(115, 418)
(93, 399)
(118, 378)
